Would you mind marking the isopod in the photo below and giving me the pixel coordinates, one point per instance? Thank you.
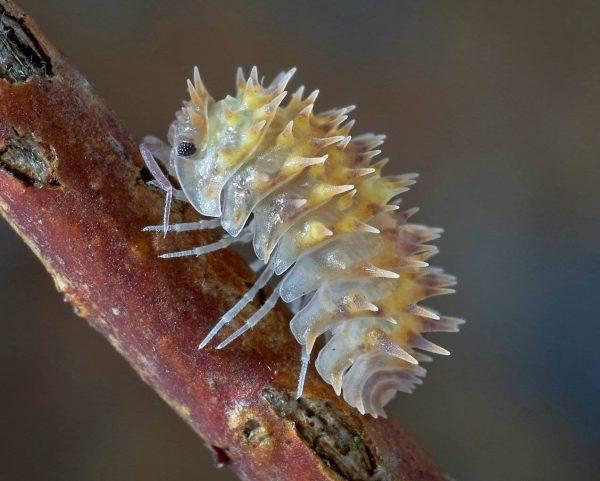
(322, 219)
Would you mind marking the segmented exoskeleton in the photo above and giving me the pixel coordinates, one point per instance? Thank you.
(322, 218)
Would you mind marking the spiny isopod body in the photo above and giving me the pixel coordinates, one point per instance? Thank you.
(319, 214)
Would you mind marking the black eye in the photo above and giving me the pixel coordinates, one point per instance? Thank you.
(185, 149)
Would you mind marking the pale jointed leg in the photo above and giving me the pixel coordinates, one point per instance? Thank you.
(255, 318)
(186, 226)
(236, 309)
(162, 182)
(226, 241)
(161, 151)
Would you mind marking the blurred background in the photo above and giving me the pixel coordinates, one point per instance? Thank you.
(495, 103)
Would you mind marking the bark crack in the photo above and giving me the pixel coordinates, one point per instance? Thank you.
(30, 161)
(331, 434)
(21, 55)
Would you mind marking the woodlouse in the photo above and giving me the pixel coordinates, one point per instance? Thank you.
(318, 212)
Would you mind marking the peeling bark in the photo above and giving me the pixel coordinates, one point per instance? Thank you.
(28, 160)
(21, 55)
(72, 185)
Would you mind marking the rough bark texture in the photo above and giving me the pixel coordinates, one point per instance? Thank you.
(73, 186)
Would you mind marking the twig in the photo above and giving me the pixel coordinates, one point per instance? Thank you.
(73, 186)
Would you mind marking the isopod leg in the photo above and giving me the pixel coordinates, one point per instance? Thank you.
(255, 318)
(162, 181)
(199, 251)
(239, 305)
(186, 226)
(256, 265)
(161, 151)
(177, 193)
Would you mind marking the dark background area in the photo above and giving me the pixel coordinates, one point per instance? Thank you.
(496, 104)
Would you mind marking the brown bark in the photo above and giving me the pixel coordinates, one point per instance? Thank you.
(73, 186)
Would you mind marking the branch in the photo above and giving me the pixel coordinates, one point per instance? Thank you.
(73, 186)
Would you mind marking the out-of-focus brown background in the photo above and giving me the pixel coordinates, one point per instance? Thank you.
(496, 104)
